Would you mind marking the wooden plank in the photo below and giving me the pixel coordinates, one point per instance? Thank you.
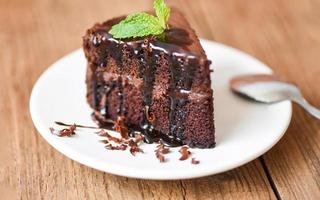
(285, 35)
(37, 33)
(295, 162)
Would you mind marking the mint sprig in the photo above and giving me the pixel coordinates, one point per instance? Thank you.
(162, 12)
(143, 24)
(136, 25)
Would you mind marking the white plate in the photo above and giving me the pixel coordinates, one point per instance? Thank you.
(244, 130)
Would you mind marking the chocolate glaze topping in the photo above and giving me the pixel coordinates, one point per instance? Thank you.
(173, 44)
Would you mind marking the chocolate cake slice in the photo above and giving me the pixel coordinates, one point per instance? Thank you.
(159, 86)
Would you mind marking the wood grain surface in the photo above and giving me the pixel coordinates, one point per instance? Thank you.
(285, 34)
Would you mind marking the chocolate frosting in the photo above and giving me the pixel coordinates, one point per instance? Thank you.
(181, 51)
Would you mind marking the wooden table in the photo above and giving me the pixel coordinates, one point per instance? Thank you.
(285, 34)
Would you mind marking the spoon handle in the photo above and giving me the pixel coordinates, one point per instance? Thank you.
(308, 107)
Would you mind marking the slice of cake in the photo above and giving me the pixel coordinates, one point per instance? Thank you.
(158, 85)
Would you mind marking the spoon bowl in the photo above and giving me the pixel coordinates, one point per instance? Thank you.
(270, 89)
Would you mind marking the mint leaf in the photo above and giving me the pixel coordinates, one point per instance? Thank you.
(162, 12)
(143, 24)
(137, 25)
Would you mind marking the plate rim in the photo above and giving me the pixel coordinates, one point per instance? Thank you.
(130, 171)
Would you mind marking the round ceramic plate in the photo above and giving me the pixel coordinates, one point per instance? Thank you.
(244, 130)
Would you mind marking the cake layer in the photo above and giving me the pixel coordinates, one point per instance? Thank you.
(197, 110)
(160, 86)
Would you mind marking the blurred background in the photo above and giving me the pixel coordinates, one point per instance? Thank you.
(269, 30)
(285, 34)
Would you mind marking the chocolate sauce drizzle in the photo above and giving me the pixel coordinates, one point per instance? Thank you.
(180, 85)
(100, 40)
(182, 65)
(104, 104)
(120, 96)
(147, 72)
(175, 127)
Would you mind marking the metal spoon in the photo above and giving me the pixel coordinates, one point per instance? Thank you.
(270, 89)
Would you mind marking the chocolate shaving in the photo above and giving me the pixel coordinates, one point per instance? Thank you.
(131, 143)
(121, 147)
(64, 132)
(184, 153)
(77, 125)
(124, 142)
(194, 161)
(104, 141)
(110, 147)
(161, 157)
(104, 133)
(114, 139)
(135, 149)
(160, 151)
